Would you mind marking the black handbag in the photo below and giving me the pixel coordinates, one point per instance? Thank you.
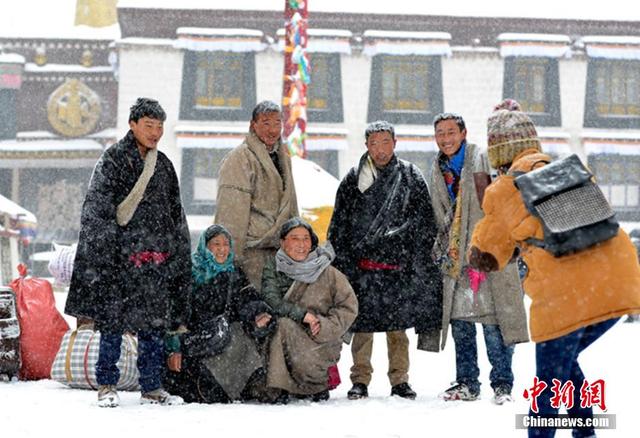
(574, 213)
(211, 338)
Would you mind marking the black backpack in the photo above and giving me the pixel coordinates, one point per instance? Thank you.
(574, 213)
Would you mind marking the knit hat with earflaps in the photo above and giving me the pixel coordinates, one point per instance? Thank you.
(509, 132)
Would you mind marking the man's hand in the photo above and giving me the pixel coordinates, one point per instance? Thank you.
(262, 320)
(313, 322)
(174, 362)
(482, 261)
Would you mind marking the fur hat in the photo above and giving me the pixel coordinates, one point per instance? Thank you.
(509, 132)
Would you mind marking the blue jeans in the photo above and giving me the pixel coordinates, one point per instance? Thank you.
(467, 371)
(150, 359)
(558, 359)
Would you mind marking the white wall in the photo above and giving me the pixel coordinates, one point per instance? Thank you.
(472, 85)
(356, 76)
(573, 86)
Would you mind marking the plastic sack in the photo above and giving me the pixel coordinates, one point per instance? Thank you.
(41, 325)
(61, 264)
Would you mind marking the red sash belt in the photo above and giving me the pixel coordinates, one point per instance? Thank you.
(370, 265)
(139, 258)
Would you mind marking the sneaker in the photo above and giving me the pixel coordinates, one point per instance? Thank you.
(108, 396)
(403, 390)
(460, 391)
(632, 318)
(160, 397)
(502, 394)
(320, 396)
(358, 391)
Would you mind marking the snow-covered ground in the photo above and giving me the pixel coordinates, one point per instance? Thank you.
(48, 409)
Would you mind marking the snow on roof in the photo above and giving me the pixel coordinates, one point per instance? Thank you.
(600, 39)
(213, 31)
(614, 134)
(391, 34)
(137, 41)
(209, 128)
(65, 68)
(11, 58)
(49, 145)
(535, 37)
(7, 206)
(533, 44)
(48, 19)
(618, 10)
(322, 130)
(330, 33)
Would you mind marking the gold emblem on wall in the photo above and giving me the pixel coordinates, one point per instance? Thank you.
(74, 109)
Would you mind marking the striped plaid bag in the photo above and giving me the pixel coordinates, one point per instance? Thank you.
(75, 362)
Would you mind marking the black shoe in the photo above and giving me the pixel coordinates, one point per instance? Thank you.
(320, 396)
(403, 390)
(281, 399)
(358, 391)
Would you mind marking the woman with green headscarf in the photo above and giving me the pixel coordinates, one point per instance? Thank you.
(219, 286)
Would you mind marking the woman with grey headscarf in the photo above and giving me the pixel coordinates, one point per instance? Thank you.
(315, 305)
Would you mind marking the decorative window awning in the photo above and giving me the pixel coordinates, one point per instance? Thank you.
(611, 142)
(11, 66)
(209, 137)
(377, 42)
(534, 45)
(228, 137)
(17, 153)
(554, 142)
(322, 139)
(322, 41)
(225, 40)
(612, 47)
(415, 140)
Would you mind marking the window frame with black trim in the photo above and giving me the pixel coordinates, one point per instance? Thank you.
(330, 82)
(433, 95)
(550, 115)
(243, 75)
(593, 118)
(616, 171)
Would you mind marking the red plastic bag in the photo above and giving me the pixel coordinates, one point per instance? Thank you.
(333, 377)
(41, 325)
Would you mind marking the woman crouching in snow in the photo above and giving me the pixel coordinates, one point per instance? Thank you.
(195, 371)
(315, 305)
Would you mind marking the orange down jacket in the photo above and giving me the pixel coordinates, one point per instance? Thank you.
(568, 292)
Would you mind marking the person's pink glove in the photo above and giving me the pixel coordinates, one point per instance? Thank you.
(475, 279)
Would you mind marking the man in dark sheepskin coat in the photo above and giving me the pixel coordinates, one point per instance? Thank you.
(383, 230)
(132, 269)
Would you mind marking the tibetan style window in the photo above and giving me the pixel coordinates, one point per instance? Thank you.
(200, 168)
(405, 89)
(218, 85)
(324, 93)
(619, 178)
(534, 83)
(613, 94)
